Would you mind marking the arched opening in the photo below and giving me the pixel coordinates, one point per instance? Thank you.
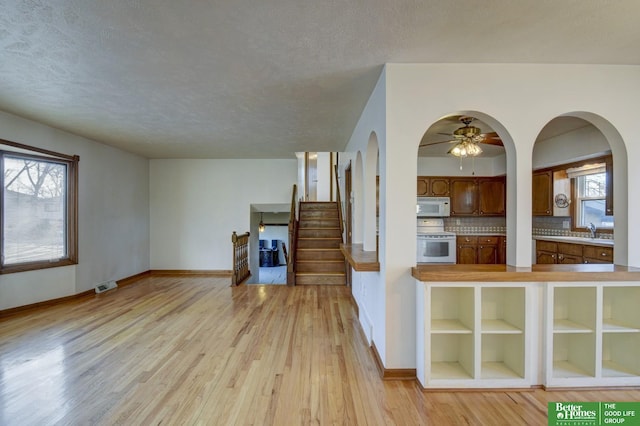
(463, 159)
(357, 201)
(577, 172)
(371, 194)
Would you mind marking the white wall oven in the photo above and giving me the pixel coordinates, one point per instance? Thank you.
(435, 245)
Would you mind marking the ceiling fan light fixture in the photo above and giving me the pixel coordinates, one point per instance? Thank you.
(465, 148)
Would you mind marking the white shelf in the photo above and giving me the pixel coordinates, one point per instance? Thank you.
(498, 370)
(567, 326)
(612, 326)
(497, 326)
(565, 369)
(448, 371)
(449, 326)
(611, 369)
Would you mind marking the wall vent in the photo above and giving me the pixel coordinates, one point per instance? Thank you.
(107, 285)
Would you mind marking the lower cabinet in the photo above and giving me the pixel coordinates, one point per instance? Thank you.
(483, 249)
(475, 336)
(593, 335)
(517, 335)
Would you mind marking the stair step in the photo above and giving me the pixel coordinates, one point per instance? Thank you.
(319, 254)
(320, 279)
(320, 223)
(319, 233)
(310, 214)
(317, 243)
(318, 205)
(322, 266)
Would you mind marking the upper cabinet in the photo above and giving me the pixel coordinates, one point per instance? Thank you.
(470, 196)
(542, 183)
(437, 186)
(464, 196)
(492, 196)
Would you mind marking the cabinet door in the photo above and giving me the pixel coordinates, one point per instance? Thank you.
(464, 197)
(542, 183)
(545, 257)
(492, 196)
(423, 186)
(439, 187)
(596, 254)
(466, 250)
(487, 254)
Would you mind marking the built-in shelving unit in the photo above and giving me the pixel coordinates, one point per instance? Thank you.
(475, 336)
(595, 337)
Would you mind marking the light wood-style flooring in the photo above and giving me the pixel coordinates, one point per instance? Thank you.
(192, 350)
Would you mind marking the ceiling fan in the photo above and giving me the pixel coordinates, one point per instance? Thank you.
(467, 139)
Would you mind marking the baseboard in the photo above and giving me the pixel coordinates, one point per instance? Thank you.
(207, 272)
(391, 373)
(133, 278)
(45, 304)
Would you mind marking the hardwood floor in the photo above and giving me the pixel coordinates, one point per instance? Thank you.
(192, 350)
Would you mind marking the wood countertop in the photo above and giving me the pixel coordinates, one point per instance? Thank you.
(360, 260)
(536, 273)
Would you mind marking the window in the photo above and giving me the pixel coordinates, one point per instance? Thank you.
(590, 193)
(39, 208)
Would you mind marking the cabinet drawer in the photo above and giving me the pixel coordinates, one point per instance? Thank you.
(466, 239)
(567, 248)
(598, 253)
(488, 240)
(546, 246)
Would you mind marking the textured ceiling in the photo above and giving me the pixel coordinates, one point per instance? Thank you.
(263, 79)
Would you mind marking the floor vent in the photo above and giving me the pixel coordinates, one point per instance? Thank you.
(107, 285)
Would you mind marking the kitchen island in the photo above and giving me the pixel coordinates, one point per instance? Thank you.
(497, 326)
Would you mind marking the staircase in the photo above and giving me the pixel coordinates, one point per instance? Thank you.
(318, 256)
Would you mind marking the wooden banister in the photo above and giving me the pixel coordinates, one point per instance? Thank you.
(339, 201)
(293, 236)
(240, 258)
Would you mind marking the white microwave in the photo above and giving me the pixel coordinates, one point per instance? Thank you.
(433, 207)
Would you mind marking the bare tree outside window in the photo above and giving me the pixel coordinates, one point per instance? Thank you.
(38, 208)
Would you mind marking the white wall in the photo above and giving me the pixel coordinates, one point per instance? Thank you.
(195, 205)
(113, 216)
(515, 100)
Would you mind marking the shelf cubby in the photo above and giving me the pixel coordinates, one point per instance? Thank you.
(452, 310)
(574, 310)
(621, 354)
(574, 355)
(502, 310)
(620, 313)
(452, 357)
(502, 356)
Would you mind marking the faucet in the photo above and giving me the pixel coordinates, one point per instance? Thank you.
(592, 229)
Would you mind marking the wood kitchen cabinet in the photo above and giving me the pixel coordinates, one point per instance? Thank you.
(482, 250)
(466, 250)
(492, 196)
(542, 189)
(546, 252)
(502, 250)
(572, 253)
(464, 196)
(435, 186)
(488, 250)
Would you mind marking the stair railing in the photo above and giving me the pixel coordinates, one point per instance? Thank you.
(240, 258)
(339, 201)
(293, 237)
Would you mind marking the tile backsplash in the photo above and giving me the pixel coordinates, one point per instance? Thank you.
(541, 225)
(475, 225)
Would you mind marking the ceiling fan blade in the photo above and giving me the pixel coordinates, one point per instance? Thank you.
(491, 139)
(436, 143)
